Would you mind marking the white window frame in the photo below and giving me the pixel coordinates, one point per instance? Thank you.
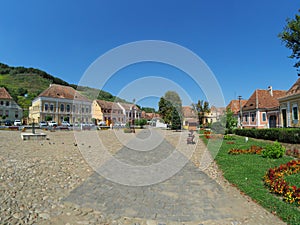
(264, 117)
(295, 106)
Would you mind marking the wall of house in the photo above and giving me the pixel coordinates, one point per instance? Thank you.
(292, 117)
(10, 110)
(59, 110)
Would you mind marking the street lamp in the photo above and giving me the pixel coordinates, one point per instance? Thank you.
(241, 113)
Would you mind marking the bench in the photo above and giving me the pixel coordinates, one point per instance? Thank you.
(190, 139)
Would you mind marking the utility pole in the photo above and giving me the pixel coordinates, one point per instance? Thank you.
(241, 113)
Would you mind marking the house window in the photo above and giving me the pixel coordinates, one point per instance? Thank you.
(252, 117)
(16, 114)
(46, 106)
(82, 110)
(74, 108)
(68, 108)
(51, 107)
(295, 112)
(264, 118)
(1, 103)
(246, 117)
(7, 103)
(1, 113)
(62, 107)
(6, 113)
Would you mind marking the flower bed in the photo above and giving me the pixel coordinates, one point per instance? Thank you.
(252, 150)
(274, 180)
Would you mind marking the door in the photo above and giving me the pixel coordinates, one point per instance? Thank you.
(284, 117)
(272, 121)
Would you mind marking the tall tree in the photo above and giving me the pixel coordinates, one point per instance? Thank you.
(291, 37)
(201, 107)
(169, 105)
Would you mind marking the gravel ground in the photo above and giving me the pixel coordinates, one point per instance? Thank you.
(35, 176)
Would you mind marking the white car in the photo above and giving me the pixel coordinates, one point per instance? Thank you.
(17, 123)
(43, 124)
(52, 124)
(65, 124)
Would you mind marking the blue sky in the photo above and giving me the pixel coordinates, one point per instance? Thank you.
(237, 39)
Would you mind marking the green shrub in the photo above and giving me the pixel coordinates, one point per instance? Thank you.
(287, 135)
(274, 151)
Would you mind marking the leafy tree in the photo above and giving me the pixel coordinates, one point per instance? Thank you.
(167, 104)
(230, 121)
(201, 107)
(140, 122)
(291, 37)
(148, 109)
(48, 118)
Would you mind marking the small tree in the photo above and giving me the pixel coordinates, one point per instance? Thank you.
(141, 122)
(230, 121)
(176, 120)
(48, 118)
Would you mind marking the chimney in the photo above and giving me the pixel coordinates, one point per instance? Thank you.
(270, 90)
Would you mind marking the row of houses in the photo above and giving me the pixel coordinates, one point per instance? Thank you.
(269, 108)
(63, 103)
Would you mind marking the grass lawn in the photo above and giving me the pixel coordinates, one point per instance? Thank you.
(247, 171)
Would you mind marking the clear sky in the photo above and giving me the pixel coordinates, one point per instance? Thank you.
(237, 39)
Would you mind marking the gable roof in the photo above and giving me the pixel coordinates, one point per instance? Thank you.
(295, 89)
(108, 105)
(264, 99)
(188, 112)
(4, 93)
(62, 92)
(128, 106)
(234, 105)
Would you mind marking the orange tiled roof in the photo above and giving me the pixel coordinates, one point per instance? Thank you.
(264, 99)
(108, 105)
(295, 89)
(4, 93)
(234, 105)
(188, 112)
(60, 91)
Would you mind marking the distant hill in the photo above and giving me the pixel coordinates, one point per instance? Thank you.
(24, 84)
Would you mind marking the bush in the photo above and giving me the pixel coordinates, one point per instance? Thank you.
(274, 151)
(287, 135)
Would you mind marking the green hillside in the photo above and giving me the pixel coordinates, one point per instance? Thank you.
(24, 84)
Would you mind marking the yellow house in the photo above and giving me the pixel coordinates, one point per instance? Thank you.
(61, 103)
(289, 107)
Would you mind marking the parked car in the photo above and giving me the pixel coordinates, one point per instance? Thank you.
(17, 123)
(43, 124)
(52, 124)
(8, 123)
(65, 124)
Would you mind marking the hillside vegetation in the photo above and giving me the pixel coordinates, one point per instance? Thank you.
(24, 84)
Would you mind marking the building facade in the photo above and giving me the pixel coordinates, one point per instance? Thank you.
(61, 103)
(289, 106)
(9, 109)
(262, 109)
(108, 112)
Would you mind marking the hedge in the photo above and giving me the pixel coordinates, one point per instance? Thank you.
(286, 135)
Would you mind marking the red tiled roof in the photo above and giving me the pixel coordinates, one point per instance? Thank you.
(264, 99)
(108, 105)
(4, 93)
(234, 105)
(128, 106)
(60, 91)
(188, 112)
(295, 89)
